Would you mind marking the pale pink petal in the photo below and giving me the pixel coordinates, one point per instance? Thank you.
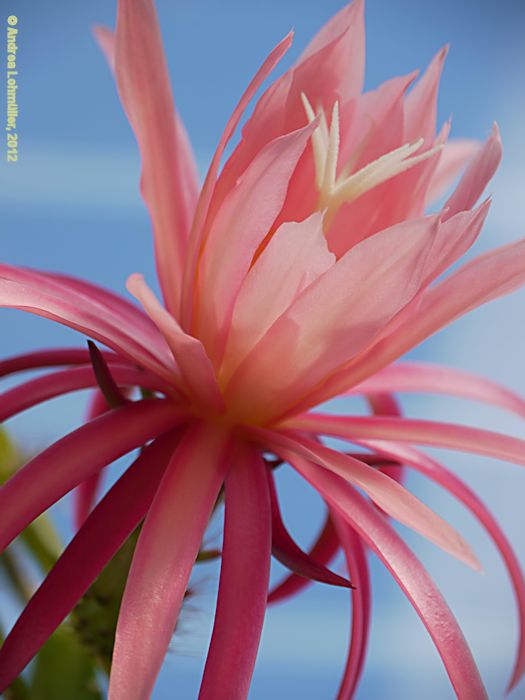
(421, 103)
(243, 585)
(240, 227)
(454, 156)
(425, 377)
(295, 257)
(104, 532)
(198, 231)
(485, 278)
(390, 496)
(357, 565)
(435, 471)
(322, 552)
(286, 550)
(36, 391)
(189, 353)
(74, 458)
(422, 432)
(166, 551)
(477, 175)
(38, 294)
(412, 578)
(169, 175)
(333, 319)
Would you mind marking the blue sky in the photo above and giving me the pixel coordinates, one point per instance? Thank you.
(72, 204)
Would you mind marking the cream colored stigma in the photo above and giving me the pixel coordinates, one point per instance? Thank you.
(336, 190)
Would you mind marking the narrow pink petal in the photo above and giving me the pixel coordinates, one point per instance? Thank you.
(477, 175)
(357, 565)
(74, 458)
(425, 377)
(412, 578)
(322, 552)
(243, 586)
(454, 157)
(169, 175)
(58, 301)
(421, 103)
(163, 559)
(52, 358)
(240, 227)
(390, 496)
(386, 405)
(198, 230)
(285, 549)
(41, 389)
(106, 529)
(422, 432)
(189, 353)
(449, 481)
(339, 315)
(485, 278)
(296, 256)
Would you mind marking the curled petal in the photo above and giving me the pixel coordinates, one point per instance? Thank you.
(52, 358)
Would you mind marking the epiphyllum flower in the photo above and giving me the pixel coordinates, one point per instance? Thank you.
(300, 272)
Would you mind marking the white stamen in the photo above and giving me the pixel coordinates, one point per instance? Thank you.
(330, 170)
(319, 143)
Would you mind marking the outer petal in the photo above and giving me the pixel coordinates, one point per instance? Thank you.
(412, 578)
(169, 175)
(455, 155)
(243, 586)
(423, 432)
(74, 458)
(449, 481)
(163, 559)
(322, 552)
(333, 319)
(189, 353)
(421, 103)
(355, 554)
(53, 358)
(43, 296)
(241, 225)
(295, 257)
(390, 496)
(425, 377)
(106, 529)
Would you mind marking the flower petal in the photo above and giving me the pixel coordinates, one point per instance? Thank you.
(166, 551)
(169, 175)
(243, 586)
(322, 552)
(53, 358)
(455, 154)
(103, 533)
(412, 578)
(390, 496)
(74, 458)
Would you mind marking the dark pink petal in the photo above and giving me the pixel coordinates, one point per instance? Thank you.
(198, 230)
(406, 569)
(53, 358)
(449, 481)
(322, 552)
(106, 529)
(166, 551)
(425, 377)
(49, 386)
(76, 457)
(285, 549)
(243, 586)
(386, 493)
(357, 565)
(422, 432)
(384, 404)
(169, 175)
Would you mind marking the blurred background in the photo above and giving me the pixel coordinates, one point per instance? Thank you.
(71, 204)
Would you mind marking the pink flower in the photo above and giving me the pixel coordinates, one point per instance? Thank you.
(299, 272)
